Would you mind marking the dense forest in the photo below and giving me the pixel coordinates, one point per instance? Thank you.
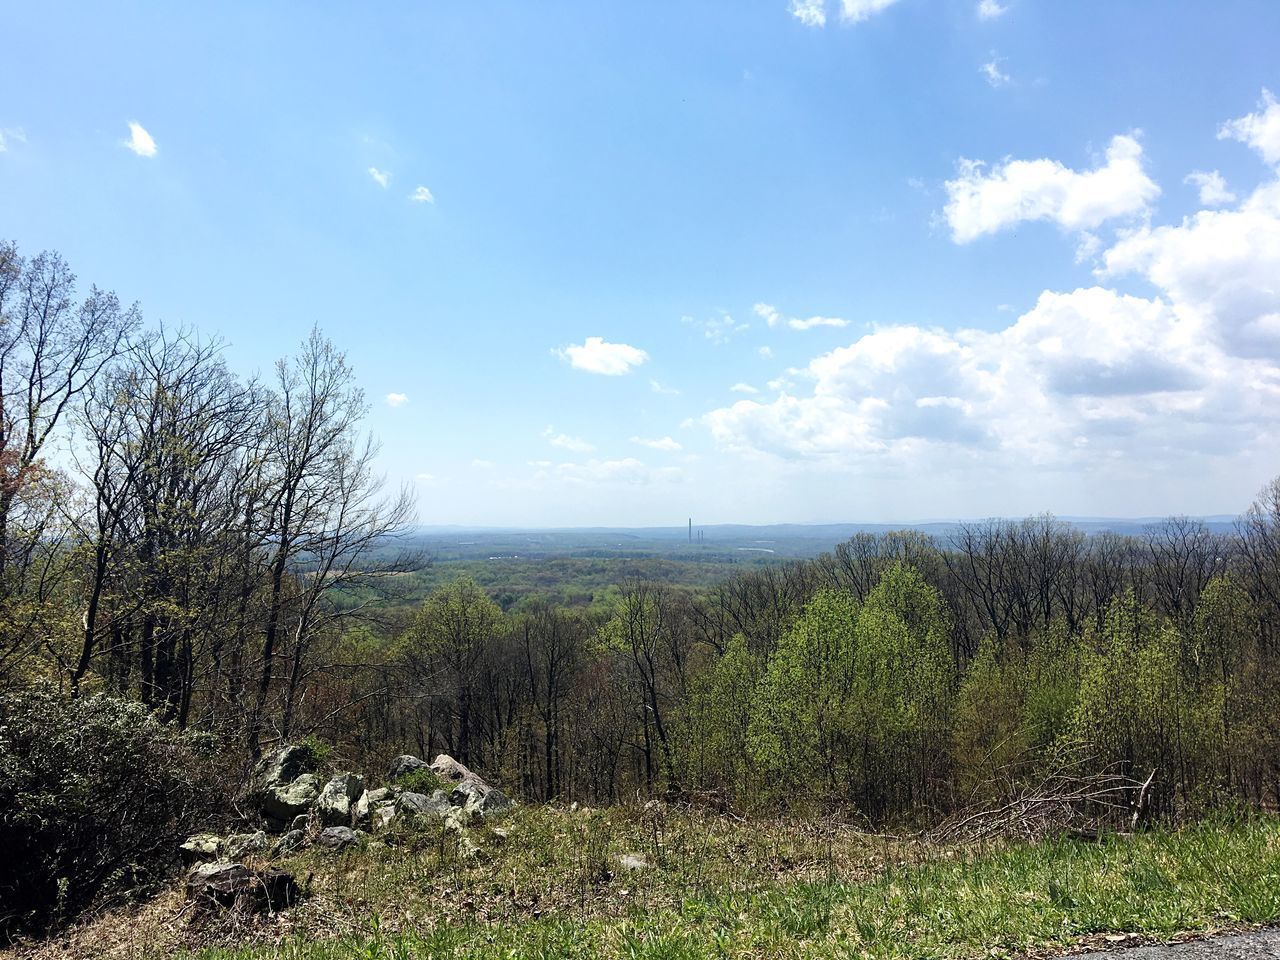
(220, 550)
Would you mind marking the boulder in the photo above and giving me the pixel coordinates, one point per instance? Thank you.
(476, 796)
(336, 838)
(284, 766)
(419, 805)
(405, 763)
(233, 885)
(447, 768)
(334, 805)
(291, 841)
(362, 812)
(281, 804)
(239, 844)
(200, 847)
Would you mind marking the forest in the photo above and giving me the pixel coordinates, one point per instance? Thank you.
(218, 554)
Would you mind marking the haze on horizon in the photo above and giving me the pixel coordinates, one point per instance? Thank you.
(843, 261)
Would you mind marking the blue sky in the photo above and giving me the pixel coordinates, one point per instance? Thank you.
(950, 245)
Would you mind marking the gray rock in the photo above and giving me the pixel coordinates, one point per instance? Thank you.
(284, 766)
(336, 838)
(421, 806)
(447, 768)
(476, 796)
(382, 814)
(293, 840)
(239, 844)
(283, 803)
(227, 884)
(200, 847)
(334, 805)
(633, 862)
(405, 763)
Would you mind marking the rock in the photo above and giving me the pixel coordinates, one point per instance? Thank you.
(633, 862)
(200, 847)
(405, 763)
(282, 804)
(336, 838)
(382, 814)
(334, 805)
(293, 840)
(237, 845)
(233, 885)
(419, 805)
(447, 768)
(476, 796)
(284, 766)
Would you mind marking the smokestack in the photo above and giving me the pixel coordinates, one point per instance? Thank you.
(691, 529)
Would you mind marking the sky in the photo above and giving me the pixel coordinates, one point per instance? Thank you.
(753, 261)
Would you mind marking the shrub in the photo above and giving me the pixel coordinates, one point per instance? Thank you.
(422, 780)
(95, 796)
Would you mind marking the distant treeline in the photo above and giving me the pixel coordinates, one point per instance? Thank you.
(215, 547)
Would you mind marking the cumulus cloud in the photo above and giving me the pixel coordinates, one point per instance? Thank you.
(743, 388)
(140, 142)
(993, 74)
(981, 201)
(661, 443)
(812, 13)
(855, 11)
(597, 355)
(1260, 130)
(1085, 377)
(657, 386)
(381, 177)
(770, 315)
(422, 195)
(1212, 187)
(397, 399)
(990, 9)
(766, 352)
(566, 442)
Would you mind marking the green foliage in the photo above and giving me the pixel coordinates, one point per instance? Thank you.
(422, 780)
(95, 796)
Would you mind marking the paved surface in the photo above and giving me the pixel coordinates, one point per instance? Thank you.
(1245, 946)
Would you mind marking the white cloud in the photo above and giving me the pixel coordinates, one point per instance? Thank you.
(765, 351)
(993, 74)
(1017, 190)
(422, 195)
(11, 134)
(812, 13)
(855, 11)
(990, 9)
(140, 142)
(628, 470)
(1212, 187)
(397, 399)
(381, 177)
(661, 443)
(481, 464)
(424, 477)
(566, 442)
(1260, 130)
(658, 386)
(719, 330)
(743, 388)
(597, 355)
(773, 318)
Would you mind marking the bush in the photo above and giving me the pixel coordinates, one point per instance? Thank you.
(422, 780)
(95, 797)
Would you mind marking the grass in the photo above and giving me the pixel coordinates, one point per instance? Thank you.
(718, 888)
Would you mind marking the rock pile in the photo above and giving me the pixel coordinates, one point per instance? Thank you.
(335, 815)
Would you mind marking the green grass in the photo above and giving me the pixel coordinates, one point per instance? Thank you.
(753, 891)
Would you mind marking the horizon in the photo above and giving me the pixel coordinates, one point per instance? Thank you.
(879, 259)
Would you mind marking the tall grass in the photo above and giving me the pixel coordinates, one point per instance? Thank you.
(945, 904)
